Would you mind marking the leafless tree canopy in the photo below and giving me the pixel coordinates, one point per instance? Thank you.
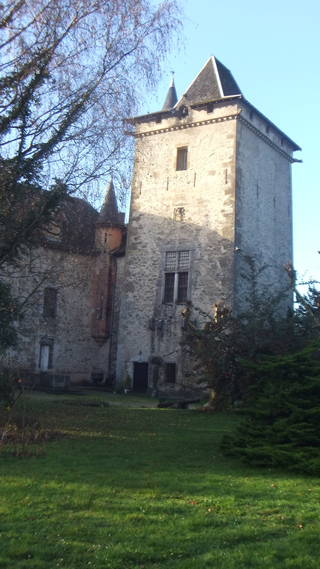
(70, 70)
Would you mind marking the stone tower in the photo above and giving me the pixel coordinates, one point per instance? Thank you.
(211, 183)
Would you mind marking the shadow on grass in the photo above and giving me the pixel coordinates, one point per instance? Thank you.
(132, 488)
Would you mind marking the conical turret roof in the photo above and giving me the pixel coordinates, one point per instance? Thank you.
(171, 97)
(109, 214)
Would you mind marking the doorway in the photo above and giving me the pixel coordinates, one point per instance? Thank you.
(140, 377)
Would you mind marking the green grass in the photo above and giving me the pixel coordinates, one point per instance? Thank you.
(132, 487)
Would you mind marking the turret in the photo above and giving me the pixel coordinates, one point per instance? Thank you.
(108, 237)
(171, 98)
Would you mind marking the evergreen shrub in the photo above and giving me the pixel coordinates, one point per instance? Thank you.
(281, 425)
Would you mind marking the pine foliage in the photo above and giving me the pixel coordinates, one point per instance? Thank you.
(281, 426)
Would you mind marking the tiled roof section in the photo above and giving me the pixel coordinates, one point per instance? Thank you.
(74, 227)
(109, 214)
(78, 230)
(229, 85)
(171, 98)
(214, 81)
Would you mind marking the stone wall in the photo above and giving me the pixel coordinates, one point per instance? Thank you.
(68, 335)
(263, 224)
(171, 211)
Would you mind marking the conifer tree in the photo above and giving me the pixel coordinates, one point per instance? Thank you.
(281, 426)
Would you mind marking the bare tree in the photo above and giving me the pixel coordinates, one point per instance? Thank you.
(70, 71)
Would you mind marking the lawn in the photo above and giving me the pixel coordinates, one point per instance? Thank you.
(129, 486)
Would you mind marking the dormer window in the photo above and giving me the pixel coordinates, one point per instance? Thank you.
(53, 230)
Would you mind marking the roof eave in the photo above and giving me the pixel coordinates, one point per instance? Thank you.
(294, 145)
(133, 120)
(220, 100)
(109, 224)
(227, 98)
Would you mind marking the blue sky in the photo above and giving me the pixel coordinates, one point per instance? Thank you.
(272, 49)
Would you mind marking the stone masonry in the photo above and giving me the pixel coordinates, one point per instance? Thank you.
(211, 183)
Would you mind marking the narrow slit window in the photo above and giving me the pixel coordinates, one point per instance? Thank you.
(182, 158)
(176, 277)
(182, 287)
(101, 308)
(169, 288)
(46, 353)
(170, 373)
(50, 302)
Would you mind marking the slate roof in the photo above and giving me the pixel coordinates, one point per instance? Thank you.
(214, 81)
(109, 214)
(76, 220)
(79, 227)
(171, 98)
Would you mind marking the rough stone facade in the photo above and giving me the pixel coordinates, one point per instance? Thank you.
(211, 184)
(68, 286)
(211, 181)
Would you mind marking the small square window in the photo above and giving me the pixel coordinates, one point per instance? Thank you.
(170, 261)
(183, 260)
(182, 158)
(170, 373)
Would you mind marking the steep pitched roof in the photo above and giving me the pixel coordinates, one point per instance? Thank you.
(78, 226)
(171, 97)
(109, 214)
(214, 81)
(72, 227)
